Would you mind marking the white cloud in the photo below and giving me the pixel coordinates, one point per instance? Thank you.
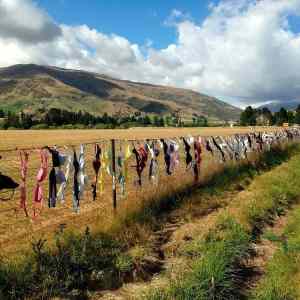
(176, 16)
(24, 21)
(244, 51)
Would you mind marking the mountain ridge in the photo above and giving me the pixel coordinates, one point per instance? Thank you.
(276, 106)
(33, 88)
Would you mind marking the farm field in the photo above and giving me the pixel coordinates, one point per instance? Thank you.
(98, 214)
(12, 139)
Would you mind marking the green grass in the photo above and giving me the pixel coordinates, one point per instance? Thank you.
(274, 193)
(214, 270)
(281, 281)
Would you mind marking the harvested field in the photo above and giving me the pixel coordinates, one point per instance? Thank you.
(34, 138)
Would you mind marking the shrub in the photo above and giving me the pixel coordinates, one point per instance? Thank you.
(78, 263)
(40, 126)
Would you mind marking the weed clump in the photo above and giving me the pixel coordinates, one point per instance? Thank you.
(76, 265)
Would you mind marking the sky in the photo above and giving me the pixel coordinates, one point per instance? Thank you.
(241, 51)
(138, 21)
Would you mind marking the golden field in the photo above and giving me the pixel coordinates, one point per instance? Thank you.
(17, 231)
(34, 138)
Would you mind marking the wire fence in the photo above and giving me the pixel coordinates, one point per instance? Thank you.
(111, 196)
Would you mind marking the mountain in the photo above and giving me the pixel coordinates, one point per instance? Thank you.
(276, 106)
(35, 88)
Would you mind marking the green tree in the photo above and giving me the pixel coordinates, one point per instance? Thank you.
(297, 115)
(200, 122)
(105, 118)
(194, 120)
(248, 117)
(268, 115)
(12, 120)
(281, 116)
(147, 120)
(291, 117)
(169, 121)
(156, 121)
(26, 121)
(162, 122)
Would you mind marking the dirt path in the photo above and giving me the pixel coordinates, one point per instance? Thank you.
(155, 265)
(178, 228)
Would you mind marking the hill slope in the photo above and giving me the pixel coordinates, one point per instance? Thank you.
(34, 87)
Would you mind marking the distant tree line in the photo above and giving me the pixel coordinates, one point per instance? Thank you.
(251, 116)
(58, 118)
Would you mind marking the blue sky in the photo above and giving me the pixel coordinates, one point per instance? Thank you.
(137, 20)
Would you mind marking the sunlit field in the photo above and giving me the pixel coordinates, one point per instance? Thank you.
(33, 138)
(17, 231)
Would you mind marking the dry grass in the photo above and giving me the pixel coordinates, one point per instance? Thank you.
(35, 138)
(17, 231)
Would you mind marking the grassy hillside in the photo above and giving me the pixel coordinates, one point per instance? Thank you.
(33, 88)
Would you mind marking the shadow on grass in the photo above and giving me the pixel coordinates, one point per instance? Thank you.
(222, 181)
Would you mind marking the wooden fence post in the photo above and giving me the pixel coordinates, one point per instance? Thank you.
(114, 184)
